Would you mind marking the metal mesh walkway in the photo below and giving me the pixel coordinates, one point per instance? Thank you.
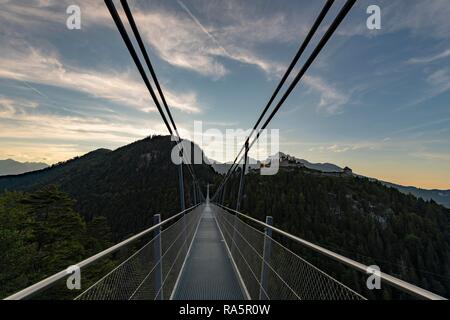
(208, 271)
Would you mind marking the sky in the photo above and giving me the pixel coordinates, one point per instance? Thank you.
(377, 101)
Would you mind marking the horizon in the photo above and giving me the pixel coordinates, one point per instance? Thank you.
(229, 162)
(376, 101)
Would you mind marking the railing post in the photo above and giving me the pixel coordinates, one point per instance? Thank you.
(181, 181)
(266, 257)
(241, 183)
(185, 231)
(158, 257)
(195, 193)
(224, 190)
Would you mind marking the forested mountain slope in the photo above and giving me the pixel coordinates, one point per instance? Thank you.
(359, 218)
(127, 186)
(355, 216)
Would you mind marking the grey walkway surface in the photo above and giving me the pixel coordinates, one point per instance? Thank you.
(208, 272)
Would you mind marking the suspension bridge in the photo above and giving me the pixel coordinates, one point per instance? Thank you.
(210, 251)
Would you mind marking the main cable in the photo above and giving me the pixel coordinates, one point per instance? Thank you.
(294, 61)
(113, 11)
(323, 41)
(128, 43)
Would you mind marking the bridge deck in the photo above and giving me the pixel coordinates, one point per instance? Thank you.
(208, 273)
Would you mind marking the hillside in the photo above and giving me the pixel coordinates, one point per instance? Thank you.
(127, 186)
(440, 196)
(359, 218)
(356, 216)
(10, 166)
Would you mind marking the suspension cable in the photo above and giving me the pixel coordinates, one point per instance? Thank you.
(138, 37)
(294, 61)
(132, 51)
(335, 24)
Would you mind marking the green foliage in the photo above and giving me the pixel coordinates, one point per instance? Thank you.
(359, 218)
(41, 234)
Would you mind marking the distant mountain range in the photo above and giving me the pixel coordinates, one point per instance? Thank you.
(440, 196)
(10, 166)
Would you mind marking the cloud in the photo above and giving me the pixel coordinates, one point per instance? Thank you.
(439, 156)
(29, 15)
(331, 99)
(429, 59)
(18, 122)
(27, 131)
(440, 81)
(181, 38)
(33, 65)
(26, 128)
(342, 146)
(40, 152)
(427, 19)
(10, 107)
(180, 42)
(184, 41)
(38, 14)
(338, 149)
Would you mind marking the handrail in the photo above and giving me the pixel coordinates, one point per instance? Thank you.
(393, 281)
(47, 282)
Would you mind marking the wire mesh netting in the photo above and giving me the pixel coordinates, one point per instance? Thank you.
(271, 271)
(146, 274)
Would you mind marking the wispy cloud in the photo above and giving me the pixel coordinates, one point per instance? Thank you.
(419, 18)
(187, 42)
(39, 152)
(32, 65)
(331, 99)
(440, 81)
(194, 18)
(425, 18)
(439, 56)
(341, 147)
(10, 107)
(440, 156)
(180, 42)
(23, 120)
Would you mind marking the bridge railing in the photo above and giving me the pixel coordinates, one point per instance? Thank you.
(270, 270)
(150, 267)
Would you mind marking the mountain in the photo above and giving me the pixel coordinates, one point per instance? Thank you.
(10, 166)
(222, 168)
(324, 167)
(440, 196)
(358, 217)
(127, 186)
